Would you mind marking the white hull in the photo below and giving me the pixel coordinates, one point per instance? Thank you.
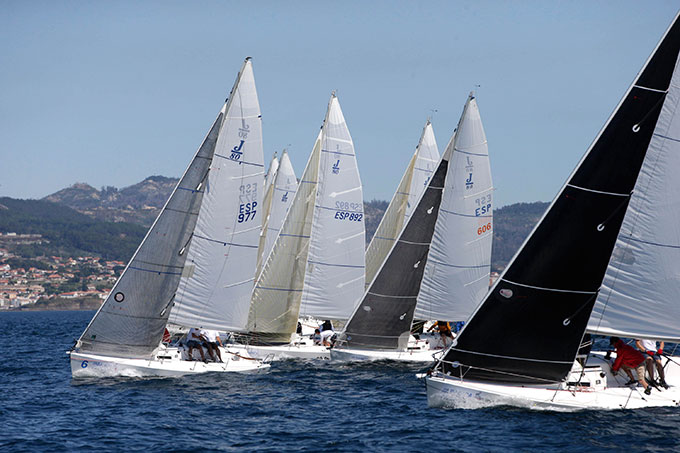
(287, 351)
(356, 355)
(605, 393)
(167, 363)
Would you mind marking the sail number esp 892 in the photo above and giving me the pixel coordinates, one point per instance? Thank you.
(348, 211)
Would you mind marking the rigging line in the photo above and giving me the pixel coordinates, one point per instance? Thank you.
(623, 203)
(402, 241)
(470, 367)
(180, 211)
(568, 319)
(159, 264)
(550, 289)
(636, 126)
(525, 359)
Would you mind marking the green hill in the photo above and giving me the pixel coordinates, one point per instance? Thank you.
(69, 232)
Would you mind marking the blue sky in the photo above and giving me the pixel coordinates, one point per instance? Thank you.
(109, 93)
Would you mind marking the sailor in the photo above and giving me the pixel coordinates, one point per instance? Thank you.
(444, 329)
(316, 338)
(212, 338)
(326, 330)
(195, 341)
(653, 357)
(629, 359)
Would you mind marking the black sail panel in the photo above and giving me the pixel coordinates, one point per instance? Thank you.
(385, 313)
(528, 328)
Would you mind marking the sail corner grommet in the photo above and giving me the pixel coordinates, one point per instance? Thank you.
(566, 322)
(636, 128)
(600, 227)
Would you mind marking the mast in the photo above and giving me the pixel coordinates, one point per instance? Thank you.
(529, 327)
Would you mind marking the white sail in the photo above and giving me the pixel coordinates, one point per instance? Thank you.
(283, 190)
(427, 158)
(639, 294)
(414, 181)
(217, 280)
(458, 264)
(266, 209)
(334, 281)
(276, 296)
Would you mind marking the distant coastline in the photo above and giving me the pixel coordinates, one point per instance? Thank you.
(61, 304)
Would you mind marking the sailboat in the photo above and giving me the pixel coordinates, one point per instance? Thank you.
(316, 266)
(603, 259)
(280, 189)
(439, 266)
(413, 183)
(190, 268)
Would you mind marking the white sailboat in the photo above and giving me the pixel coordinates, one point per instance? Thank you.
(281, 189)
(413, 183)
(439, 266)
(316, 266)
(603, 259)
(194, 266)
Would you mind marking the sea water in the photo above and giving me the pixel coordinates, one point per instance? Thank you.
(296, 405)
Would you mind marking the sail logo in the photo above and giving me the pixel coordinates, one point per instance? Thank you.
(469, 183)
(284, 198)
(336, 167)
(427, 180)
(236, 153)
(243, 132)
(84, 364)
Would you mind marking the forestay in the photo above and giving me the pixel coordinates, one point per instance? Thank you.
(217, 280)
(639, 296)
(130, 323)
(266, 207)
(458, 265)
(412, 184)
(276, 296)
(334, 280)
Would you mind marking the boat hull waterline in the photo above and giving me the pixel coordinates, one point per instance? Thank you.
(451, 392)
(171, 365)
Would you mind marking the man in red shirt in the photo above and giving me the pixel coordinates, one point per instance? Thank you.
(629, 359)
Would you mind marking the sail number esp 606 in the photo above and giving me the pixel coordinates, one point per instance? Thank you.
(348, 211)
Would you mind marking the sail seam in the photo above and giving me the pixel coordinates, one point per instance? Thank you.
(159, 264)
(464, 215)
(190, 190)
(154, 272)
(392, 297)
(459, 266)
(291, 290)
(666, 137)
(472, 154)
(336, 265)
(550, 289)
(226, 243)
(180, 211)
(337, 152)
(414, 243)
(294, 235)
(240, 161)
(599, 191)
(642, 241)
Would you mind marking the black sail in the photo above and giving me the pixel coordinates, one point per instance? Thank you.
(383, 318)
(528, 328)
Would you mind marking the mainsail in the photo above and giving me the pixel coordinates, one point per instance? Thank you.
(530, 325)
(334, 280)
(459, 262)
(130, 323)
(217, 279)
(412, 184)
(316, 266)
(277, 201)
